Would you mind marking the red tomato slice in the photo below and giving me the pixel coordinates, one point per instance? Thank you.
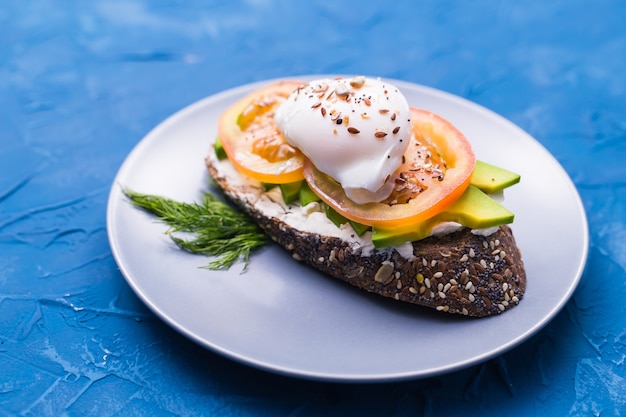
(437, 169)
(252, 141)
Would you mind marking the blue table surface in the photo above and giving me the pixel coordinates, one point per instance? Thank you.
(81, 82)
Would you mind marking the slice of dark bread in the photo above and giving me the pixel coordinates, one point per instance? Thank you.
(460, 272)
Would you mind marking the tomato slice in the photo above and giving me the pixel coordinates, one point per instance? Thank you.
(252, 141)
(437, 169)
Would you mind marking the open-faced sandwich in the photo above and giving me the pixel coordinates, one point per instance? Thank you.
(351, 180)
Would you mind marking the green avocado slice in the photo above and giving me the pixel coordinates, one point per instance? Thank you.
(307, 195)
(492, 179)
(338, 220)
(219, 149)
(291, 191)
(474, 209)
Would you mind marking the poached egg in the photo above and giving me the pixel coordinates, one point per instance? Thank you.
(356, 130)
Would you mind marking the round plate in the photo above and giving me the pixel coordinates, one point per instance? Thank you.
(284, 317)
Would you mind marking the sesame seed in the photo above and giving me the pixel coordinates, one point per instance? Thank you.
(471, 298)
(441, 294)
(384, 272)
(464, 258)
(427, 283)
(437, 274)
(342, 90)
(357, 82)
(472, 253)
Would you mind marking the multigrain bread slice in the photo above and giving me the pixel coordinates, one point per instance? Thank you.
(461, 272)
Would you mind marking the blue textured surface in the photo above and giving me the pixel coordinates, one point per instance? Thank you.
(82, 81)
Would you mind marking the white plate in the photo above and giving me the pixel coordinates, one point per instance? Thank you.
(283, 317)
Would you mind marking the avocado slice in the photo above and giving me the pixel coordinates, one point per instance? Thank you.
(492, 179)
(359, 228)
(291, 191)
(474, 209)
(268, 186)
(219, 149)
(338, 220)
(307, 195)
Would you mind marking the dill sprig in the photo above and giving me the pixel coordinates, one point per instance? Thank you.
(216, 228)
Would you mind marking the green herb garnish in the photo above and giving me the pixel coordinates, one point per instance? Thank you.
(216, 228)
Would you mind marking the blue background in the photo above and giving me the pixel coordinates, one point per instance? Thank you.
(81, 82)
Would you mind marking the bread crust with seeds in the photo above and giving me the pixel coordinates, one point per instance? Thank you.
(460, 273)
